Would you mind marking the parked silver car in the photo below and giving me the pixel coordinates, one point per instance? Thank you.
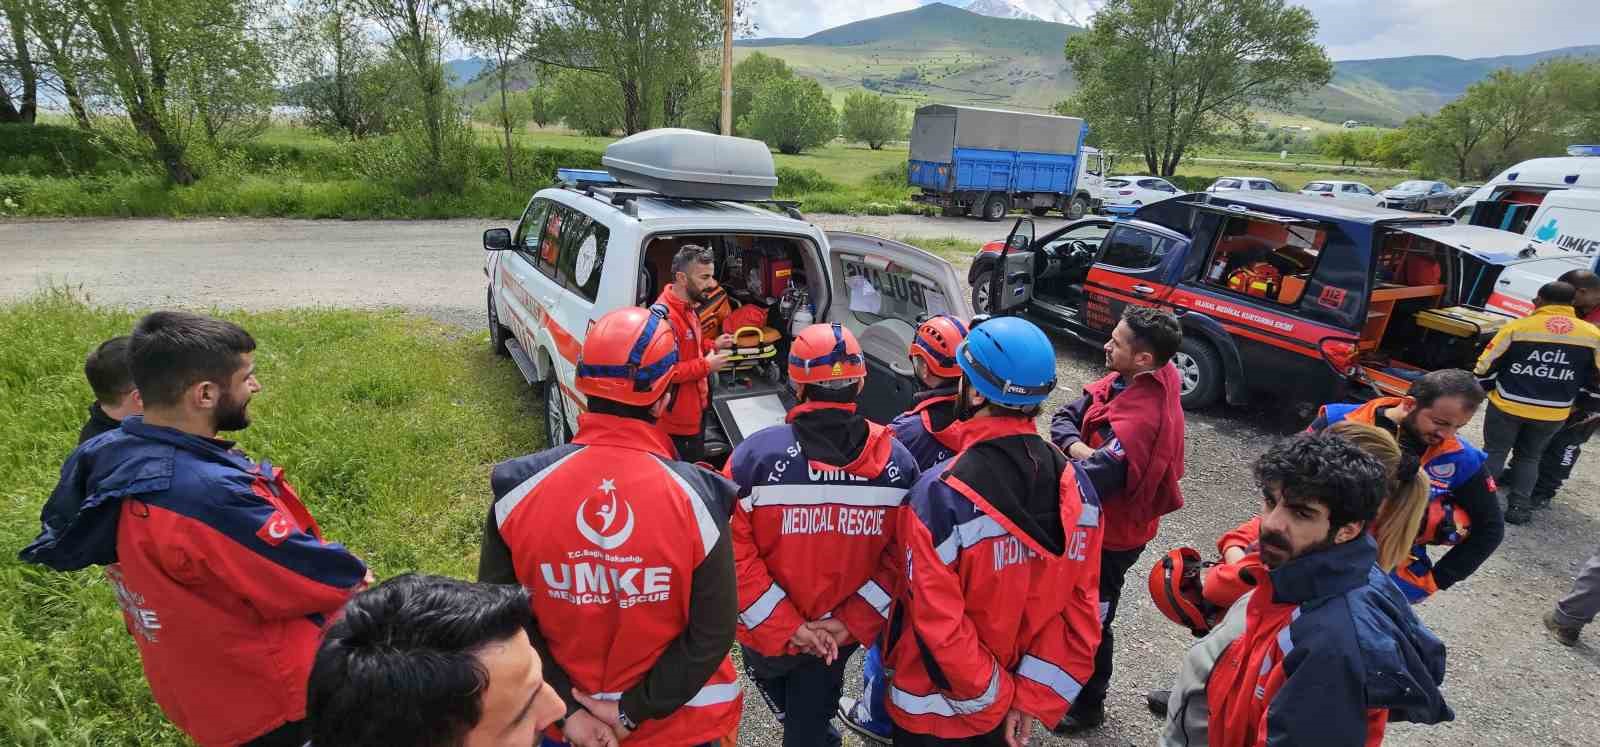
(1419, 196)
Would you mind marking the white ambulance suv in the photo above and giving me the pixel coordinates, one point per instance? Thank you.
(598, 241)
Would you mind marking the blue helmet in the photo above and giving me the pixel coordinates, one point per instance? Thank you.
(1009, 361)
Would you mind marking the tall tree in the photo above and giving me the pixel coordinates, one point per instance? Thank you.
(1514, 106)
(1157, 76)
(59, 30)
(642, 45)
(344, 85)
(416, 30)
(1455, 134)
(494, 28)
(792, 115)
(17, 63)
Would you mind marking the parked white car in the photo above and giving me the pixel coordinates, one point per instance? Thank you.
(1355, 192)
(1137, 190)
(603, 240)
(1227, 183)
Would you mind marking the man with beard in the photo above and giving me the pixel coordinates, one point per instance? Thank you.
(224, 579)
(813, 533)
(1463, 511)
(1324, 651)
(1127, 433)
(693, 278)
(932, 433)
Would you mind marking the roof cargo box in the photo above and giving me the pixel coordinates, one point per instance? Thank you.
(693, 165)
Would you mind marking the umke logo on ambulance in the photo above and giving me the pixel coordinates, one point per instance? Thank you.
(597, 576)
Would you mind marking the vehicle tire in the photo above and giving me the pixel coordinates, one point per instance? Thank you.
(1199, 373)
(555, 414)
(981, 286)
(1039, 212)
(498, 334)
(1078, 208)
(995, 208)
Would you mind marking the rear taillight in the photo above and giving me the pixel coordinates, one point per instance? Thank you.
(1340, 354)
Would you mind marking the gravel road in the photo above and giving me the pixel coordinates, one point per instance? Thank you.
(1508, 682)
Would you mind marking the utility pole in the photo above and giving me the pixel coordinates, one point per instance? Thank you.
(727, 67)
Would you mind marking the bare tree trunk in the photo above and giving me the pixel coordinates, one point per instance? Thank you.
(505, 120)
(28, 110)
(632, 108)
(141, 90)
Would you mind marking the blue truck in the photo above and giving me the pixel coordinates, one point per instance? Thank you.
(986, 162)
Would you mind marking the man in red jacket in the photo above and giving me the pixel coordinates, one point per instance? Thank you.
(693, 278)
(1126, 431)
(224, 579)
(626, 554)
(813, 534)
(996, 616)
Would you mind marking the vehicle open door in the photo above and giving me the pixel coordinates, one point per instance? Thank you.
(881, 290)
(1013, 287)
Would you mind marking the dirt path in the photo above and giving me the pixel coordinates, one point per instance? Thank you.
(1508, 683)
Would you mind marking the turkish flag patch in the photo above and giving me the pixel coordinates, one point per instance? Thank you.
(277, 528)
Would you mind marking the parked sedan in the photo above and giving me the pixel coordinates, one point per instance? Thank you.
(1226, 183)
(1137, 190)
(1354, 192)
(1420, 196)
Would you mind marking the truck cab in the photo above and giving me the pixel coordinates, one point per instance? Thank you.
(1283, 296)
(601, 240)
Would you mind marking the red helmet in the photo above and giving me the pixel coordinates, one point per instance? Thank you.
(825, 352)
(1175, 588)
(627, 356)
(936, 342)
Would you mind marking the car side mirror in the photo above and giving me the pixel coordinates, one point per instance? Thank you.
(496, 239)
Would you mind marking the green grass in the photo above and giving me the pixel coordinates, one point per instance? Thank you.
(291, 172)
(385, 423)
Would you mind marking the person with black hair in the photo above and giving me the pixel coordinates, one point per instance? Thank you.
(1463, 511)
(626, 554)
(1561, 454)
(1127, 433)
(1325, 650)
(224, 578)
(115, 396)
(429, 661)
(1538, 365)
(694, 278)
(813, 532)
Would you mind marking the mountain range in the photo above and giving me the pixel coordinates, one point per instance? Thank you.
(998, 53)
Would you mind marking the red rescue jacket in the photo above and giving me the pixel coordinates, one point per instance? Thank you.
(606, 533)
(223, 577)
(1147, 419)
(814, 540)
(691, 375)
(998, 602)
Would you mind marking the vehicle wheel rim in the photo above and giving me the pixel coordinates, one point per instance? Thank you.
(1188, 370)
(996, 209)
(981, 294)
(554, 419)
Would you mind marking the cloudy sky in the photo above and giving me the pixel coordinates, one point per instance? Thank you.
(1351, 29)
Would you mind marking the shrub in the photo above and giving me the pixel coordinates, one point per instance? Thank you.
(792, 181)
(791, 115)
(872, 119)
(53, 150)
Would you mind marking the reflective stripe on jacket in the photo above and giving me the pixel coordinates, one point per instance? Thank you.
(1539, 363)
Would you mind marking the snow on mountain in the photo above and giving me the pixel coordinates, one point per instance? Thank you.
(1000, 9)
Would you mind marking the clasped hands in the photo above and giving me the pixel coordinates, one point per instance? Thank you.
(821, 638)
